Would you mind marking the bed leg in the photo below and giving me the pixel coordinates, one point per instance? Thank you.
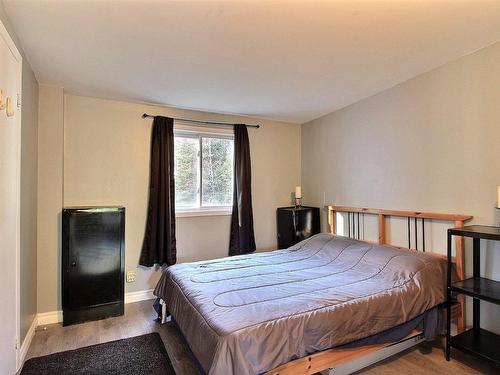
(165, 314)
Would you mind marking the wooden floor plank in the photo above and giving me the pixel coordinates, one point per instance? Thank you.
(139, 319)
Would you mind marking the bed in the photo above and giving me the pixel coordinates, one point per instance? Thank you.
(256, 313)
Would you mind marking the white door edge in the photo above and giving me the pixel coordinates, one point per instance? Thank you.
(17, 55)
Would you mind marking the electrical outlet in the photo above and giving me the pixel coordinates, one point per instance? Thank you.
(131, 275)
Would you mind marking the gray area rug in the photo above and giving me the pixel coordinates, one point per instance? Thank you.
(136, 355)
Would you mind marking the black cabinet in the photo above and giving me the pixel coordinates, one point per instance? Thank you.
(296, 224)
(93, 244)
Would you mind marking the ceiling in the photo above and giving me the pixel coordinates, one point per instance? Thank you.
(285, 60)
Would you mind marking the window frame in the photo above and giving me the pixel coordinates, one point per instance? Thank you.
(203, 210)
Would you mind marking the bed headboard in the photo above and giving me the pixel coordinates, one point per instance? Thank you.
(414, 219)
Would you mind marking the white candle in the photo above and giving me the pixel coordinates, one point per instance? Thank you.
(298, 192)
(498, 201)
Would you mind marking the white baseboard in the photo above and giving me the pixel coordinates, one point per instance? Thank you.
(142, 295)
(50, 317)
(53, 317)
(27, 342)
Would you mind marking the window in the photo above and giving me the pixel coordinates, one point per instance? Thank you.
(203, 171)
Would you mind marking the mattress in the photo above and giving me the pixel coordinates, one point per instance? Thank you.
(249, 314)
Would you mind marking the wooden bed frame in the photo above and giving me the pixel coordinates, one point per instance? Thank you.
(345, 361)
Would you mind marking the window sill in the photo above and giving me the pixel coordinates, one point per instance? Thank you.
(196, 213)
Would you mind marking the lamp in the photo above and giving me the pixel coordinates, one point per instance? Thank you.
(298, 196)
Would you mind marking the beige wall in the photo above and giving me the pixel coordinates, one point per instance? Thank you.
(431, 143)
(50, 197)
(106, 161)
(29, 192)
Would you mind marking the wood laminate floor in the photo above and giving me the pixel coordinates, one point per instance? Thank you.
(139, 319)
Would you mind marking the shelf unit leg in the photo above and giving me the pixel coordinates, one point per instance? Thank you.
(448, 301)
(476, 310)
(460, 269)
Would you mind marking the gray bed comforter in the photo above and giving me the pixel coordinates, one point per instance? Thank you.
(249, 314)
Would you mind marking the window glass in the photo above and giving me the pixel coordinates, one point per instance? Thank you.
(203, 171)
(217, 171)
(186, 172)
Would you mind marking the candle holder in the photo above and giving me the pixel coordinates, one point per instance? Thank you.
(298, 202)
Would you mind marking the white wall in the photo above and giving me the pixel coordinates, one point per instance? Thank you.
(429, 144)
(106, 161)
(10, 162)
(10, 201)
(28, 193)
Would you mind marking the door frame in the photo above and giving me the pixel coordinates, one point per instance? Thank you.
(17, 55)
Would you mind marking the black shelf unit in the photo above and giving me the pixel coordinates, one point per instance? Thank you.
(483, 344)
(476, 341)
(480, 288)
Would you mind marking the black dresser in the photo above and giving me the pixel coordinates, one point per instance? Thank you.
(295, 224)
(93, 244)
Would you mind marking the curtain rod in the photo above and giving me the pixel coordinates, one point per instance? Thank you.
(145, 115)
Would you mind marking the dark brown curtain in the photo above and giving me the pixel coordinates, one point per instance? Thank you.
(242, 238)
(159, 246)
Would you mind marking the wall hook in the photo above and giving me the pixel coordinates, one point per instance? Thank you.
(9, 110)
(2, 101)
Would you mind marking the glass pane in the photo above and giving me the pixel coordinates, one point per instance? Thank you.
(186, 172)
(217, 172)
